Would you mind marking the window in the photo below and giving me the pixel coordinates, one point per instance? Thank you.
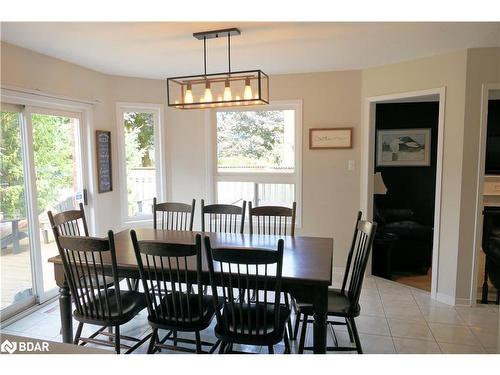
(139, 128)
(256, 155)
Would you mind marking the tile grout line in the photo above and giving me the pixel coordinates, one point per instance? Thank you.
(427, 324)
(385, 316)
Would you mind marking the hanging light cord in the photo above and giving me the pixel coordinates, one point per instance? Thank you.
(229, 50)
(205, 54)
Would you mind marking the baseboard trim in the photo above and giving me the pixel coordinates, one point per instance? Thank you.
(444, 298)
(462, 302)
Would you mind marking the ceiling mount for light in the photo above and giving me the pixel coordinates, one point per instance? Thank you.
(241, 88)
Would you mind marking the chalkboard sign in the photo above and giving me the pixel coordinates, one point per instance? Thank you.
(104, 171)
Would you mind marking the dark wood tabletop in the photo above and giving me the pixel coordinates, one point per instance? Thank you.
(307, 268)
(305, 259)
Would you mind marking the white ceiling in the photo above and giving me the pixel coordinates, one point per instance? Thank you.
(159, 50)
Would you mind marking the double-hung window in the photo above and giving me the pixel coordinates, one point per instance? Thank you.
(258, 156)
(141, 159)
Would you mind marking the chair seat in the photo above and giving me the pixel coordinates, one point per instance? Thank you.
(338, 305)
(182, 305)
(132, 303)
(244, 332)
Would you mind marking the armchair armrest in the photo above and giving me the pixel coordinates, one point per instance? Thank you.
(396, 214)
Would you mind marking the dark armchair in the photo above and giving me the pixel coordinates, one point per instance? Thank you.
(411, 247)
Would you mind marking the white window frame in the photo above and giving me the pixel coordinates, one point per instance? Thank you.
(161, 194)
(214, 176)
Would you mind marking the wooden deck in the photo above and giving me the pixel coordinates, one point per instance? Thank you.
(15, 272)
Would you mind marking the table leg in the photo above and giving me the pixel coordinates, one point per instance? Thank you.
(320, 316)
(15, 237)
(65, 310)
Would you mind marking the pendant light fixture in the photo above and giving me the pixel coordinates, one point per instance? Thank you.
(241, 88)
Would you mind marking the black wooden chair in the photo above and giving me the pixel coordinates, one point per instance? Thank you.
(274, 220)
(69, 223)
(74, 223)
(226, 218)
(344, 302)
(164, 270)
(173, 215)
(97, 302)
(260, 322)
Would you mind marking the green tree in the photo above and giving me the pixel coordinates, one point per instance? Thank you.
(53, 152)
(139, 127)
(11, 168)
(250, 137)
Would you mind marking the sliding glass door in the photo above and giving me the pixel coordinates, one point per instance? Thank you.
(15, 254)
(58, 177)
(42, 170)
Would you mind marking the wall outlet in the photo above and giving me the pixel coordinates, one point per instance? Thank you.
(351, 165)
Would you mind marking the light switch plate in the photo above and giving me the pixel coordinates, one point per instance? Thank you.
(351, 165)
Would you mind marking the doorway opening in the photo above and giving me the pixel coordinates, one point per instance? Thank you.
(404, 199)
(402, 168)
(486, 264)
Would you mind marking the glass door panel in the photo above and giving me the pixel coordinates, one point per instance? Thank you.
(15, 255)
(58, 170)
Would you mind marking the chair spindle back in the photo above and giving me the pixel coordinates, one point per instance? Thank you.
(69, 223)
(84, 260)
(359, 254)
(273, 220)
(240, 271)
(225, 218)
(173, 215)
(164, 270)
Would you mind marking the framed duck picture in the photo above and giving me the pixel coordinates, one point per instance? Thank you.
(404, 147)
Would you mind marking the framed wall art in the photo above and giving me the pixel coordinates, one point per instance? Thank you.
(404, 147)
(104, 170)
(330, 138)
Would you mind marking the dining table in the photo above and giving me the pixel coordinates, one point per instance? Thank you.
(306, 274)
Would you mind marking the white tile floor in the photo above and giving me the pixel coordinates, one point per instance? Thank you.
(394, 319)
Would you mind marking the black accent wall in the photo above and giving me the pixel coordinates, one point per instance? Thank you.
(493, 138)
(410, 187)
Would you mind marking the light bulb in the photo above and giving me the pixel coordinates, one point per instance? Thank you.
(227, 91)
(208, 92)
(247, 93)
(188, 96)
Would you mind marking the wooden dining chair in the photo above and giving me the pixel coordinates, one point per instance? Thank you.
(173, 215)
(97, 302)
(69, 223)
(260, 322)
(275, 220)
(226, 218)
(74, 223)
(344, 302)
(164, 270)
